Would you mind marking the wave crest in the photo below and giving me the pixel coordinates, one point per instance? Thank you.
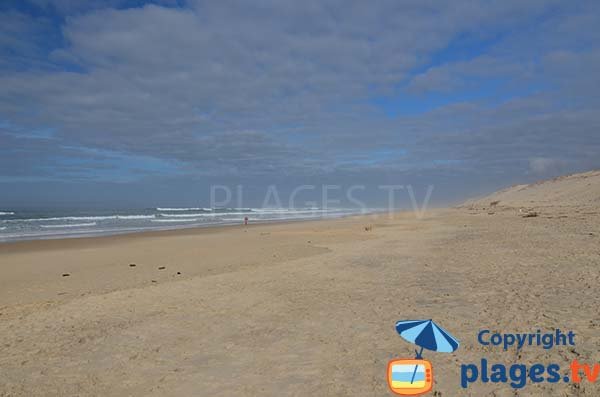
(68, 225)
(183, 209)
(86, 218)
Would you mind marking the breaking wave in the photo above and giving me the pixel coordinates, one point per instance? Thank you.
(68, 225)
(175, 220)
(86, 218)
(184, 209)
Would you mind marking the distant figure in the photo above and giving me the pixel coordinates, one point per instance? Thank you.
(245, 220)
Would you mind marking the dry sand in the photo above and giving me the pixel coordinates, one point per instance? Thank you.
(305, 308)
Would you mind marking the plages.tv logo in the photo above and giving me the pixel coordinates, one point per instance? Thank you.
(412, 377)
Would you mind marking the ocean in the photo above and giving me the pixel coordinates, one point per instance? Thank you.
(47, 224)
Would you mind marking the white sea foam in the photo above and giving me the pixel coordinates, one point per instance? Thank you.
(228, 209)
(225, 214)
(260, 212)
(206, 215)
(184, 209)
(263, 211)
(192, 215)
(134, 216)
(6, 213)
(84, 218)
(272, 210)
(297, 210)
(166, 219)
(175, 220)
(68, 225)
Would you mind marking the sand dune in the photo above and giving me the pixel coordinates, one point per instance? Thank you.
(303, 308)
(570, 190)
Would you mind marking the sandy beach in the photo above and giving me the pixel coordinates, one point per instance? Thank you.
(305, 308)
(290, 198)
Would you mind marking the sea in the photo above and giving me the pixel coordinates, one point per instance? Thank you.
(18, 225)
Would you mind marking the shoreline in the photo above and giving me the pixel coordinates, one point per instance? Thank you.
(125, 230)
(100, 264)
(184, 229)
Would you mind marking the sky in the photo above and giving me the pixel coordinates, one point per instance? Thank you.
(136, 103)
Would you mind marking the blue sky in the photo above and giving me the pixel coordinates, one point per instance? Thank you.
(155, 100)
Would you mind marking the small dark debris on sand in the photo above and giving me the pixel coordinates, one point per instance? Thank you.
(368, 228)
(531, 214)
(66, 274)
(153, 281)
(178, 273)
(132, 265)
(161, 268)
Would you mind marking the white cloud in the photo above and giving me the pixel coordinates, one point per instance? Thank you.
(285, 88)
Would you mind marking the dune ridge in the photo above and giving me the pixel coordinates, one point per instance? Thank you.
(581, 189)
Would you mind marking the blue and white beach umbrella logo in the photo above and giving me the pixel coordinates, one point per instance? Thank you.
(427, 334)
(411, 377)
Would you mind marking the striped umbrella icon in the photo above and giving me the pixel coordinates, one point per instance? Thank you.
(427, 335)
